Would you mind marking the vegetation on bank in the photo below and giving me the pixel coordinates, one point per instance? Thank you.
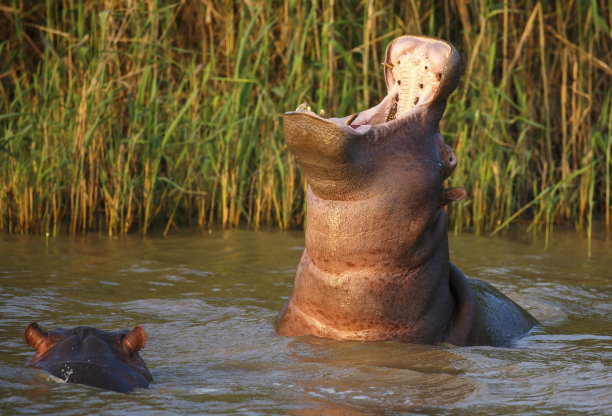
(123, 115)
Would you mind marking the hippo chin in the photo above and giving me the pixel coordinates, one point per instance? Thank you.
(376, 264)
(84, 355)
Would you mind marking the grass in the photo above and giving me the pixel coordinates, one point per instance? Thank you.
(124, 116)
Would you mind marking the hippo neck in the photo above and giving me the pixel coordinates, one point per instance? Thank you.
(368, 306)
(365, 283)
(374, 234)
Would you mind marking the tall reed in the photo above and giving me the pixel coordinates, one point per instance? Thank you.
(119, 115)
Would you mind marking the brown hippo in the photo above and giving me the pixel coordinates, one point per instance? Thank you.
(84, 355)
(376, 264)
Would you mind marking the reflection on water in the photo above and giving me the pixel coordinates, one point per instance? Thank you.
(208, 303)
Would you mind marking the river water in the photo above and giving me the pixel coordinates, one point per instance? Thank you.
(208, 303)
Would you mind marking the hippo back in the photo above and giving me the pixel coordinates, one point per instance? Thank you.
(498, 319)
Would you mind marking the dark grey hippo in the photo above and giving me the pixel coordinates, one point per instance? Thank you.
(85, 355)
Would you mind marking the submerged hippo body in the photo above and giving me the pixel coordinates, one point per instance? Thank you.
(85, 355)
(376, 264)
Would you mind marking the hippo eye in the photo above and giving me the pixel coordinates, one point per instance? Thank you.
(450, 158)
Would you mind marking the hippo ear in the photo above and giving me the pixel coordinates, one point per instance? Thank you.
(452, 194)
(39, 339)
(133, 341)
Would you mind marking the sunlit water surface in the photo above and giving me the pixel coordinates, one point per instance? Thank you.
(208, 303)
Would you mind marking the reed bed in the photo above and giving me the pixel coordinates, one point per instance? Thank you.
(121, 115)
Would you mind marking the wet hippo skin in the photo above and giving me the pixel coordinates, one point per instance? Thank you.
(376, 264)
(85, 355)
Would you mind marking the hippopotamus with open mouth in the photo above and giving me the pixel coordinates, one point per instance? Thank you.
(376, 264)
(85, 355)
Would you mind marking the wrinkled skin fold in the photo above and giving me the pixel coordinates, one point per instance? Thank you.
(85, 355)
(376, 264)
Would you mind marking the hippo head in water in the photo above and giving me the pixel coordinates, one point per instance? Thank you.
(376, 264)
(84, 355)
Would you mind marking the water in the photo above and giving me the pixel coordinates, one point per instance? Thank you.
(208, 303)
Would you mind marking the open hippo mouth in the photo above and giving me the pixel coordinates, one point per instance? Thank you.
(420, 72)
(341, 155)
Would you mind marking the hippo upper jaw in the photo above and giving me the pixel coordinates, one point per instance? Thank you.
(420, 73)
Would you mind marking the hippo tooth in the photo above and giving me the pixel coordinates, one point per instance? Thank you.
(351, 119)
